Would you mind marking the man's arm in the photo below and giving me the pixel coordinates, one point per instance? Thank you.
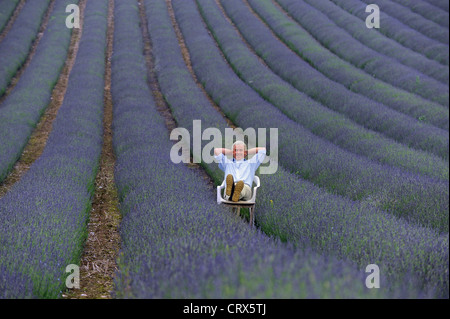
(255, 150)
(225, 151)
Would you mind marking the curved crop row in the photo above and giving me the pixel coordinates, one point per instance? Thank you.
(16, 44)
(309, 113)
(7, 9)
(305, 78)
(415, 197)
(373, 41)
(413, 20)
(43, 217)
(328, 223)
(23, 107)
(176, 242)
(375, 76)
(426, 10)
(404, 35)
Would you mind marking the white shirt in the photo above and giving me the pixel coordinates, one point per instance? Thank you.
(243, 170)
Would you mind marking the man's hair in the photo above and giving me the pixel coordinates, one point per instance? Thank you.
(239, 143)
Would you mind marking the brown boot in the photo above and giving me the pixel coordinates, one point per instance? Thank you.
(237, 191)
(230, 186)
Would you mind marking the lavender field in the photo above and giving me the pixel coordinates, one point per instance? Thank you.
(91, 90)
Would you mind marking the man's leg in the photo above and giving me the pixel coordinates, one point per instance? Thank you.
(246, 193)
(241, 191)
(238, 187)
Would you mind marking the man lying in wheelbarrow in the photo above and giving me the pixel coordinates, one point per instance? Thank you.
(239, 171)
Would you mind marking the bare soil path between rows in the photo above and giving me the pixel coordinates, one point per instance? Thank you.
(98, 261)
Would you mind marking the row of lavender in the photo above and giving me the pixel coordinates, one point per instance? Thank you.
(7, 9)
(444, 5)
(373, 41)
(400, 32)
(288, 207)
(17, 43)
(43, 217)
(416, 198)
(427, 10)
(364, 111)
(377, 77)
(23, 107)
(312, 115)
(415, 21)
(176, 242)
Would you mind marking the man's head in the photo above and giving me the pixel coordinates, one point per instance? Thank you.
(239, 150)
